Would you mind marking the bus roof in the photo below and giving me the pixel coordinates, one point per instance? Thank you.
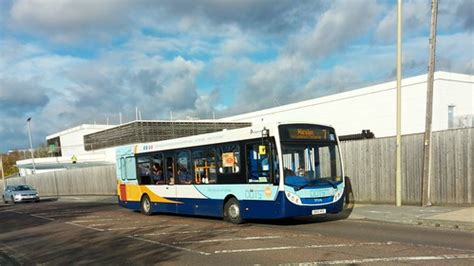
(252, 132)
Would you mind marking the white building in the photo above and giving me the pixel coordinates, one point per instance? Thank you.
(374, 107)
(69, 143)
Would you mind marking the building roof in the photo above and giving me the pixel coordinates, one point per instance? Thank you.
(79, 128)
(440, 75)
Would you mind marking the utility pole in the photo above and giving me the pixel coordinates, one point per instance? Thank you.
(3, 172)
(31, 145)
(398, 175)
(426, 195)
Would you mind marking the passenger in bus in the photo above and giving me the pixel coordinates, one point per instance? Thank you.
(184, 177)
(301, 171)
(157, 174)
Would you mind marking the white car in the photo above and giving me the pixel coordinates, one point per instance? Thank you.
(20, 193)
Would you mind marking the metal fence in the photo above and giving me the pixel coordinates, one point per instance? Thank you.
(370, 165)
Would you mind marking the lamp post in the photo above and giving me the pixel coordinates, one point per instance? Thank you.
(31, 145)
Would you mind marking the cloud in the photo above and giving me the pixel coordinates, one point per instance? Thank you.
(18, 101)
(69, 20)
(334, 30)
(270, 85)
(337, 79)
(416, 18)
(464, 13)
(267, 17)
(21, 97)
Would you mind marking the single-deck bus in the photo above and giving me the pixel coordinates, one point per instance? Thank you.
(260, 172)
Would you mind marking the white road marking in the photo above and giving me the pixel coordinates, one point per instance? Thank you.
(378, 212)
(99, 220)
(42, 217)
(389, 259)
(303, 247)
(228, 239)
(64, 215)
(188, 232)
(138, 227)
(168, 245)
(62, 212)
(143, 223)
(438, 247)
(85, 226)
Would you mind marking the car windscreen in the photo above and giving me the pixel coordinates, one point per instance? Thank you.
(22, 188)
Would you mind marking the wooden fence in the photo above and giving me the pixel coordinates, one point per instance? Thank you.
(100, 180)
(370, 165)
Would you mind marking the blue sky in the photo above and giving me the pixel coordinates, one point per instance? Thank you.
(67, 62)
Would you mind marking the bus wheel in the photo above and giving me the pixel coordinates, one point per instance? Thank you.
(145, 205)
(232, 211)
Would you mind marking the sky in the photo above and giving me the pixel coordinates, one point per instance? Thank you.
(67, 62)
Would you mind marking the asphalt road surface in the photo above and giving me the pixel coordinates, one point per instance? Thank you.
(102, 233)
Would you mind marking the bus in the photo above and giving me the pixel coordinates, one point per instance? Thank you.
(267, 171)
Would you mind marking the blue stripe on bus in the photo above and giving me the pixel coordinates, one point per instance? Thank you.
(250, 209)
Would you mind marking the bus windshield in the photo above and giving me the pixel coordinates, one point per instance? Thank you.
(308, 164)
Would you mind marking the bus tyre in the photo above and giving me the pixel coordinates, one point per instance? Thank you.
(145, 205)
(232, 211)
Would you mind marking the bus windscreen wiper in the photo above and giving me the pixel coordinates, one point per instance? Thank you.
(314, 182)
(330, 182)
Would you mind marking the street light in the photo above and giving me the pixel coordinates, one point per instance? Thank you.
(31, 144)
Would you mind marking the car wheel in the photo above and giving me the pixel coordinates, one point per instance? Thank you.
(13, 200)
(4, 201)
(232, 211)
(145, 205)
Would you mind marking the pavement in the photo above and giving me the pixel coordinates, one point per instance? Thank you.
(448, 217)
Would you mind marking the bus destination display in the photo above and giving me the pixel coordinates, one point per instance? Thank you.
(308, 133)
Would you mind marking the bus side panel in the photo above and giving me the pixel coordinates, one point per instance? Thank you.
(262, 209)
(202, 207)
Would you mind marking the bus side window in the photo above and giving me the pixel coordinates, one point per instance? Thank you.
(130, 169)
(229, 159)
(204, 165)
(258, 157)
(144, 170)
(183, 163)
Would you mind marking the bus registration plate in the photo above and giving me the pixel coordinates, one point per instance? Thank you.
(319, 211)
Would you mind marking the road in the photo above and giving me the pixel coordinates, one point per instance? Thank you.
(65, 232)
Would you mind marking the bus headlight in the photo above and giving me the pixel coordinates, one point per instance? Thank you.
(338, 194)
(293, 198)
